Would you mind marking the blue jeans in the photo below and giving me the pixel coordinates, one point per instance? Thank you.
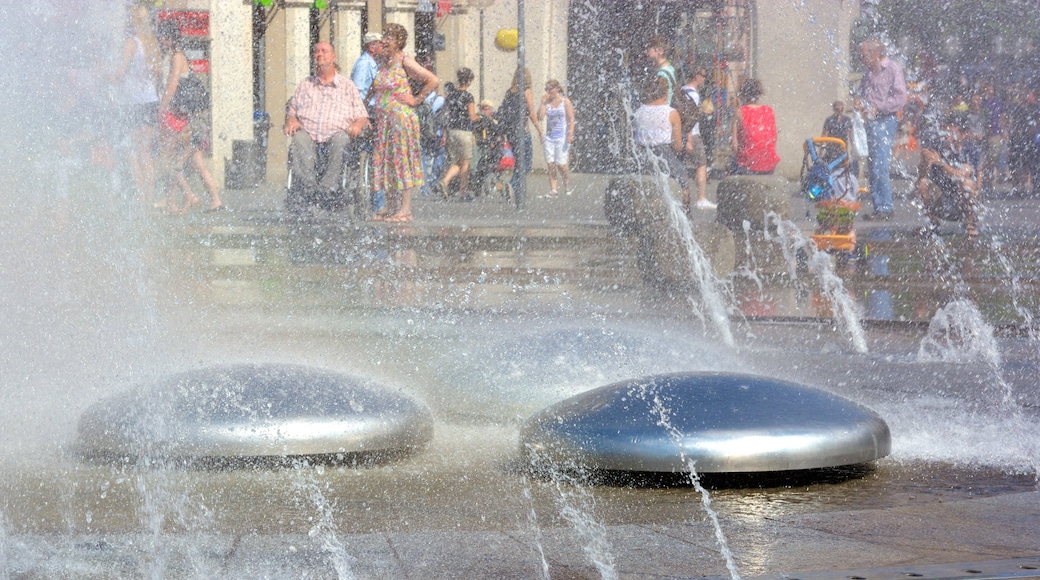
(523, 152)
(881, 133)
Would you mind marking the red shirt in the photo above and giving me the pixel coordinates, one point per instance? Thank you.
(757, 138)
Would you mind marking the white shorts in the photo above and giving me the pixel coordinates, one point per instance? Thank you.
(557, 151)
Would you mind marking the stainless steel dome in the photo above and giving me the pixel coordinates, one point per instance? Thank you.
(725, 423)
(255, 411)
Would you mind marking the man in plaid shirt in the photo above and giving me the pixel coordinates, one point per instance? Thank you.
(326, 110)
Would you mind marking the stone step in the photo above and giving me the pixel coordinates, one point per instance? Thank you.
(453, 266)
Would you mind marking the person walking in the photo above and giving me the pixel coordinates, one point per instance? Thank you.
(882, 94)
(137, 77)
(462, 113)
(694, 147)
(516, 111)
(657, 50)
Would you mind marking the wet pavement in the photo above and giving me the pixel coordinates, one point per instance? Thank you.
(489, 314)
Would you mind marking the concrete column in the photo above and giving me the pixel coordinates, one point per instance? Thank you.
(297, 47)
(403, 12)
(801, 55)
(288, 57)
(348, 34)
(231, 76)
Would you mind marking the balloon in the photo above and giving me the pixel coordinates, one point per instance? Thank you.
(507, 38)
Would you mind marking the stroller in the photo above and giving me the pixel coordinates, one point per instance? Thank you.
(829, 184)
(489, 176)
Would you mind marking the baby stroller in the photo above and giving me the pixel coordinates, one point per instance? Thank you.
(489, 176)
(830, 186)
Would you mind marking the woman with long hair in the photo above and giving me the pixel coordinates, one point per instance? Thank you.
(516, 110)
(397, 158)
(175, 126)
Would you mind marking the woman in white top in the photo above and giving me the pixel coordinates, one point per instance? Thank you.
(558, 113)
(139, 99)
(658, 133)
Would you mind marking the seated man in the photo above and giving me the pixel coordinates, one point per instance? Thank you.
(947, 184)
(323, 117)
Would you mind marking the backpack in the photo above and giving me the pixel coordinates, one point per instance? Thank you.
(191, 96)
(690, 112)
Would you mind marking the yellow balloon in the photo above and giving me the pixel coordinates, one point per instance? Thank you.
(507, 38)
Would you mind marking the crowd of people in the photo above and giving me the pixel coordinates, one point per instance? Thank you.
(393, 118)
(972, 135)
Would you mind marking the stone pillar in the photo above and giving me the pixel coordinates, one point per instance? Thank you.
(403, 12)
(297, 46)
(348, 34)
(288, 55)
(231, 69)
(801, 89)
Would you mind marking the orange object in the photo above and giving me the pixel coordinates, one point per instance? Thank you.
(835, 242)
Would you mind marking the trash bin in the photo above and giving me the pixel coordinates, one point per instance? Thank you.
(248, 166)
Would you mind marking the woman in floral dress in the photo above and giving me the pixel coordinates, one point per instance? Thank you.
(396, 159)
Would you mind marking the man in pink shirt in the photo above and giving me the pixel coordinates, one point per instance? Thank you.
(326, 113)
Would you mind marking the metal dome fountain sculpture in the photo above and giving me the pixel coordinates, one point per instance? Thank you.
(256, 411)
(724, 423)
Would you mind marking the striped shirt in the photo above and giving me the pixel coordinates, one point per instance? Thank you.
(324, 110)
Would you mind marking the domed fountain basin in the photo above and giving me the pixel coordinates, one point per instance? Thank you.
(255, 411)
(725, 423)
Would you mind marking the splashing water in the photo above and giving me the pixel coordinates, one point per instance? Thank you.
(713, 302)
(577, 505)
(532, 522)
(958, 333)
(324, 529)
(792, 242)
(664, 422)
(712, 293)
(1013, 280)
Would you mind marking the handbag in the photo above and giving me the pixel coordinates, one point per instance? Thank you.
(859, 149)
(191, 96)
